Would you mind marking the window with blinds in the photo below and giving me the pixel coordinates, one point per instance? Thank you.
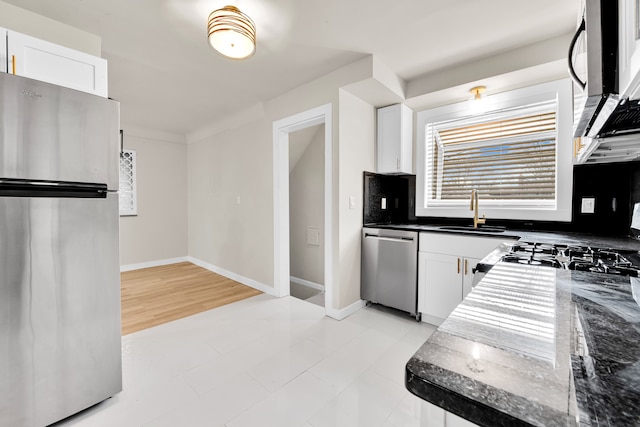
(509, 156)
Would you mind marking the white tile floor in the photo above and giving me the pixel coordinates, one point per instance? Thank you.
(267, 361)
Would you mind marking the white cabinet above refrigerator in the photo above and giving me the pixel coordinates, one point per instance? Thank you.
(42, 60)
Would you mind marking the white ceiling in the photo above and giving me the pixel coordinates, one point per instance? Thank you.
(168, 79)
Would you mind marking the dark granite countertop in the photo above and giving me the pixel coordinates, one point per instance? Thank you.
(606, 357)
(619, 242)
(537, 346)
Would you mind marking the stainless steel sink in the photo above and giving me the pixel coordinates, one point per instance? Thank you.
(481, 229)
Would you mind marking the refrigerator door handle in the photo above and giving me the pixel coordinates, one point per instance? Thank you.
(10, 187)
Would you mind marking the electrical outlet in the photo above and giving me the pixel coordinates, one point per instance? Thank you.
(588, 205)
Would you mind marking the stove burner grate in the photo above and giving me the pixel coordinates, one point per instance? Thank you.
(578, 258)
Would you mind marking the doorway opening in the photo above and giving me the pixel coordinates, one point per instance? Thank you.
(282, 129)
(306, 214)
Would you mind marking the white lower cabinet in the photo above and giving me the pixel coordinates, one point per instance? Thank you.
(452, 420)
(434, 416)
(445, 271)
(442, 281)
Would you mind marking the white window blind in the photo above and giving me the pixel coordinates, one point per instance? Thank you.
(508, 156)
(127, 190)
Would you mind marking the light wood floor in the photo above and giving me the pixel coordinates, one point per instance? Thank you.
(157, 295)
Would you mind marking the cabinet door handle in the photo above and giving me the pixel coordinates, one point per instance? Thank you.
(13, 64)
(458, 265)
(397, 163)
(466, 267)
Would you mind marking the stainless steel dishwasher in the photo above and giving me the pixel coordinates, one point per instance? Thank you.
(390, 268)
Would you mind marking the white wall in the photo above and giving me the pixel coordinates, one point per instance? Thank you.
(26, 22)
(230, 202)
(357, 154)
(159, 231)
(306, 207)
(239, 162)
(213, 199)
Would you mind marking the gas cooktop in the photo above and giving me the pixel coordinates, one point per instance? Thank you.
(581, 258)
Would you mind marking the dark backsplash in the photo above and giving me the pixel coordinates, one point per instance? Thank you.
(614, 186)
(399, 192)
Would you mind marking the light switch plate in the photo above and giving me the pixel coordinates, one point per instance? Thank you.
(352, 202)
(384, 203)
(588, 205)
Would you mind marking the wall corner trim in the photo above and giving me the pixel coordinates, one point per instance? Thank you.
(307, 283)
(233, 276)
(347, 311)
(156, 263)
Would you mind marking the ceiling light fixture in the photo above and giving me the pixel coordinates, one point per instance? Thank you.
(232, 33)
(477, 104)
(477, 92)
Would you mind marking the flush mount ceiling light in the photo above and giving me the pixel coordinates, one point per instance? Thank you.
(232, 33)
(477, 92)
(477, 104)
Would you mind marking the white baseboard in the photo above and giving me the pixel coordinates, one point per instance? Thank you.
(306, 283)
(233, 276)
(157, 263)
(347, 311)
(432, 320)
(333, 313)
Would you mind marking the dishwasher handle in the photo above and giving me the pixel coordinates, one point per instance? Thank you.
(390, 238)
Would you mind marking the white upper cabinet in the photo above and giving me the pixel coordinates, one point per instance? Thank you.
(48, 62)
(394, 139)
(629, 49)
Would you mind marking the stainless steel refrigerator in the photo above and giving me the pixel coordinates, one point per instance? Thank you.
(59, 267)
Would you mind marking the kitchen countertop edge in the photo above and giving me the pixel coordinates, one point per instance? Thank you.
(541, 236)
(457, 404)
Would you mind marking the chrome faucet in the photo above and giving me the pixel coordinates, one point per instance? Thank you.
(474, 208)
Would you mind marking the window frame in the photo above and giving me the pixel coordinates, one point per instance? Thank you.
(133, 211)
(438, 141)
(561, 91)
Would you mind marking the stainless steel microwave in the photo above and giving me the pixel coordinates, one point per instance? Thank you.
(599, 110)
